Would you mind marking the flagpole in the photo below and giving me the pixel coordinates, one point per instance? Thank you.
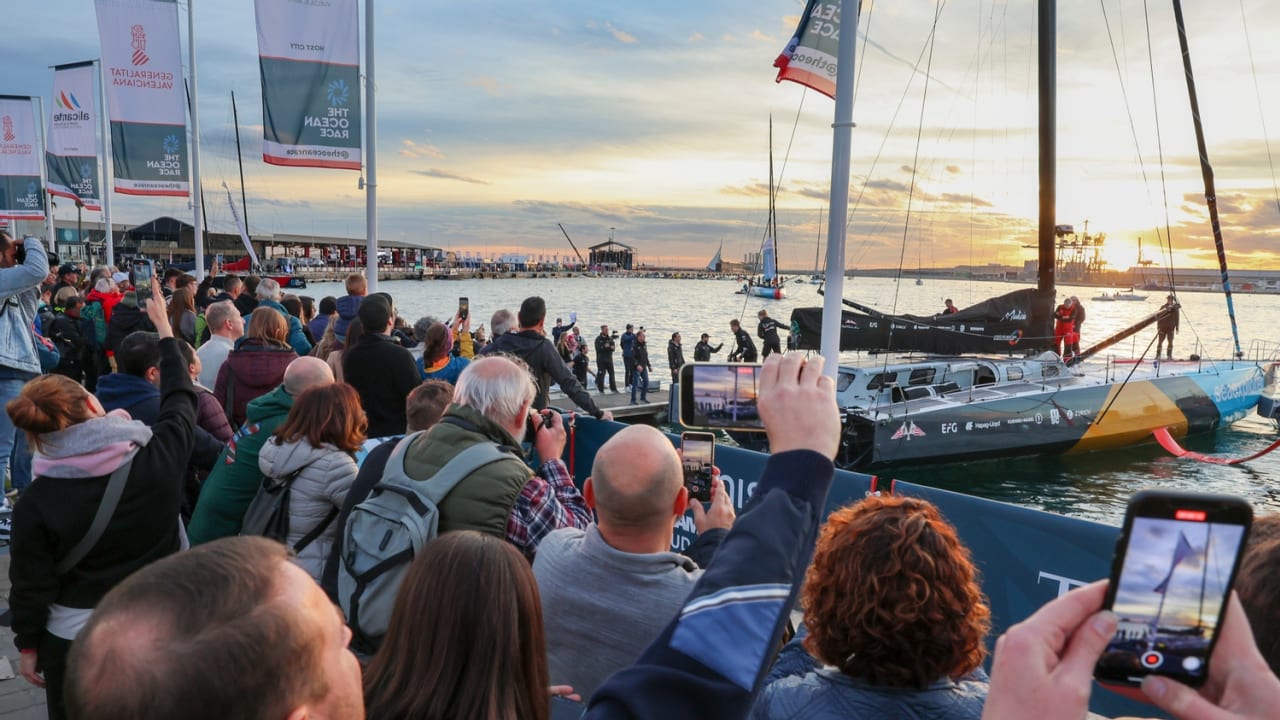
(371, 155)
(107, 169)
(198, 218)
(841, 150)
(52, 239)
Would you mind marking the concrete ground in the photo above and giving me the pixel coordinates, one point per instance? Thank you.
(19, 699)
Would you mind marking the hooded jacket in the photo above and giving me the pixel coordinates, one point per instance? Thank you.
(141, 399)
(250, 371)
(58, 507)
(126, 318)
(542, 358)
(19, 296)
(229, 489)
(383, 373)
(324, 476)
(108, 300)
(348, 308)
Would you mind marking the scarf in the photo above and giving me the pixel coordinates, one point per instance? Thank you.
(91, 448)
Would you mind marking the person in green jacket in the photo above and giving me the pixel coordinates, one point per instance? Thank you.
(227, 492)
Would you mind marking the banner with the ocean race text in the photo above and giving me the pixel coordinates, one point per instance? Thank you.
(71, 158)
(810, 55)
(309, 56)
(21, 195)
(146, 96)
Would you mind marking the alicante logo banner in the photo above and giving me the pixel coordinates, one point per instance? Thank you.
(71, 159)
(309, 56)
(21, 197)
(146, 98)
(810, 55)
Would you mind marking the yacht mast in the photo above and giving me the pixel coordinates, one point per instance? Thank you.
(197, 222)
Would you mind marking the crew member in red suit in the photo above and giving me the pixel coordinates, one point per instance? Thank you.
(1064, 329)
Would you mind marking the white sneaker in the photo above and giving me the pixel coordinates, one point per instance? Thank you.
(6, 523)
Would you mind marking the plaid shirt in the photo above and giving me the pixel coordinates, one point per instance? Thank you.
(549, 501)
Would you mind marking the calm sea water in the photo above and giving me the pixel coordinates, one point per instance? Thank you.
(1093, 486)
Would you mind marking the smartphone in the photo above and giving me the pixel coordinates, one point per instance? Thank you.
(463, 307)
(720, 395)
(698, 450)
(143, 271)
(1173, 570)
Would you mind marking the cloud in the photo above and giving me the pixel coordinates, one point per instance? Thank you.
(762, 37)
(490, 85)
(953, 169)
(411, 149)
(697, 37)
(275, 202)
(620, 35)
(446, 175)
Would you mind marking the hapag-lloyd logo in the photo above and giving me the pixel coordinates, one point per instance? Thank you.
(7, 124)
(139, 45)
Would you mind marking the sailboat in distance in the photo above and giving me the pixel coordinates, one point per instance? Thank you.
(769, 284)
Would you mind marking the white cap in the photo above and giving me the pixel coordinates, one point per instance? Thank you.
(120, 277)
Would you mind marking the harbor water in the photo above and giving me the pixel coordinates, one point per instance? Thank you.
(1090, 486)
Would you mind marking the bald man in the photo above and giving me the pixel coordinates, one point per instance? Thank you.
(609, 590)
(235, 479)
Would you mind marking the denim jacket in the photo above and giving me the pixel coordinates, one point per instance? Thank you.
(19, 295)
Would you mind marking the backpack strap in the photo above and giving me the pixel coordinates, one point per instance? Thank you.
(106, 508)
(439, 485)
(316, 531)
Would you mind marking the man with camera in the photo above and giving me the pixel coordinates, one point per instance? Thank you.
(493, 403)
(605, 346)
(23, 266)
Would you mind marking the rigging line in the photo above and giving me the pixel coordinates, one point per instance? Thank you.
(1167, 247)
(1253, 68)
(1128, 108)
(1116, 395)
(862, 61)
(915, 69)
(915, 162)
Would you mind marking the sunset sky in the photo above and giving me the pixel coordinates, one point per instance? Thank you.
(497, 120)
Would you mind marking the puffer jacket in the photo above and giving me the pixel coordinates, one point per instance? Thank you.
(324, 476)
(250, 371)
(19, 296)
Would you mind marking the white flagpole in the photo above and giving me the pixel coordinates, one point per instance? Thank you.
(51, 240)
(371, 155)
(841, 149)
(108, 168)
(198, 222)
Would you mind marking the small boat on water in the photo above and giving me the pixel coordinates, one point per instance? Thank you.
(770, 285)
(1118, 296)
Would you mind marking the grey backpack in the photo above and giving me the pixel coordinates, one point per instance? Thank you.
(386, 531)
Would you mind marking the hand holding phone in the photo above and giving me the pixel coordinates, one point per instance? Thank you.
(464, 306)
(697, 453)
(1171, 576)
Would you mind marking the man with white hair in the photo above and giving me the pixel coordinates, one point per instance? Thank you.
(269, 296)
(502, 322)
(493, 403)
(225, 327)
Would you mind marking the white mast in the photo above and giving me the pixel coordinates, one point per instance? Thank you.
(52, 239)
(841, 149)
(371, 155)
(198, 222)
(108, 165)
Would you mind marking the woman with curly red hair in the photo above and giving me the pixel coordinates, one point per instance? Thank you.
(895, 621)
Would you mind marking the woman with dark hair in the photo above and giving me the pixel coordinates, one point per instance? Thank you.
(438, 361)
(78, 448)
(209, 414)
(354, 330)
(465, 640)
(182, 315)
(315, 446)
(895, 616)
(256, 365)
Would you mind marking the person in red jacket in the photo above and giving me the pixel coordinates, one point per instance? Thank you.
(1064, 328)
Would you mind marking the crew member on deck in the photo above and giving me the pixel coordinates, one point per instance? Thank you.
(1077, 320)
(745, 350)
(1064, 329)
(950, 308)
(1167, 326)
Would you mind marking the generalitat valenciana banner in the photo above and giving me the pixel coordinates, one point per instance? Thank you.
(71, 158)
(309, 55)
(810, 55)
(146, 98)
(21, 196)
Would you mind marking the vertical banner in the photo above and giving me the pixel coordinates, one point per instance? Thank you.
(810, 55)
(309, 56)
(142, 63)
(21, 196)
(72, 155)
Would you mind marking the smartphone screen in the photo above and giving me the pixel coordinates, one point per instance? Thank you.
(463, 307)
(143, 271)
(698, 451)
(1170, 581)
(720, 395)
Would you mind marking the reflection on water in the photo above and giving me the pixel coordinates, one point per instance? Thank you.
(1094, 486)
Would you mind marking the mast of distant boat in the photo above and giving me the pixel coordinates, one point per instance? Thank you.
(244, 203)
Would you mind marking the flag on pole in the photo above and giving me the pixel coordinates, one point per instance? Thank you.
(146, 98)
(309, 58)
(21, 197)
(1181, 552)
(810, 55)
(71, 158)
(244, 232)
